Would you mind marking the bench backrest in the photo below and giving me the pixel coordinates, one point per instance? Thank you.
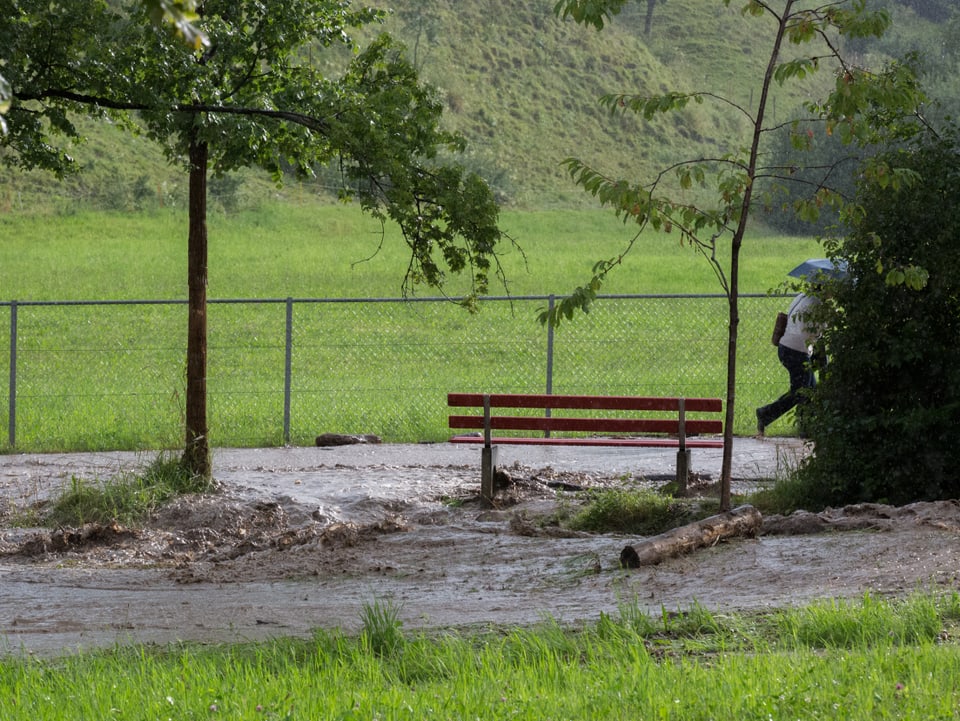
(674, 425)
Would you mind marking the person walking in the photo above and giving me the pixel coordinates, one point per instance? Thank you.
(794, 351)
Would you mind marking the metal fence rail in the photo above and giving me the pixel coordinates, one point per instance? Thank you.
(96, 375)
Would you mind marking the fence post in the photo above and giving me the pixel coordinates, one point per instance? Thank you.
(12, 427)
(550, 302)
(549, 391)
(287, 372)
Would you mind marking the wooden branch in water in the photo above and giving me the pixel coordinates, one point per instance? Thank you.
(743, 521)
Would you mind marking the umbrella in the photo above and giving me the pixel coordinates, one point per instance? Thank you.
(813, 267)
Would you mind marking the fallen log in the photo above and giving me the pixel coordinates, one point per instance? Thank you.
(742, 521)
(345, 439)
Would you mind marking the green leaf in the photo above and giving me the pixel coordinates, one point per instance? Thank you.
(648, 106)
(915, 277)
(795, 69)
(183, 16)
(803, 27)
(895, 277)
(588, 12)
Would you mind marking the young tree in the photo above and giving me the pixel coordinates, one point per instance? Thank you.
(246, 98)
(421, 22)
(732, 182)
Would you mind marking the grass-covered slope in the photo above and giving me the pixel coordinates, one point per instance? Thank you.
(521, 85)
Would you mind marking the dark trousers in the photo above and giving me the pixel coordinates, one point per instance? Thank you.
(801, 376)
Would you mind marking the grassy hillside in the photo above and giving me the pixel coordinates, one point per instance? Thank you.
(522, 86)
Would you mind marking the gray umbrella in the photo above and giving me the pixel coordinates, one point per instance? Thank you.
(813, 267)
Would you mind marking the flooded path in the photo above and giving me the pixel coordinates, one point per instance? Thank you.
(304, 538)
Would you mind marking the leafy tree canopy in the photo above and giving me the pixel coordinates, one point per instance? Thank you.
(937, 10)
(252, 98)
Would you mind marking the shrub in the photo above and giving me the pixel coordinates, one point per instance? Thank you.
(884, 417)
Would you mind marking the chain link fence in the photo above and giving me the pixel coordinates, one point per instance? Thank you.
(97, 375)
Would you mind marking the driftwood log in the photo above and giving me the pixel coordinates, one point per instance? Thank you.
(345, 439)
(742, 521)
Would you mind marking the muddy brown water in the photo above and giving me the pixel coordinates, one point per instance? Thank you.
(297, 539)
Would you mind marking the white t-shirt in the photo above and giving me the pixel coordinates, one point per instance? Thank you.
(799, 335)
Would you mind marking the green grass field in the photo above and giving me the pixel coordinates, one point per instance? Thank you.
(317, 250)
(96, 376)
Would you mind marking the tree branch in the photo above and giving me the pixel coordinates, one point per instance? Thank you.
(319, 125)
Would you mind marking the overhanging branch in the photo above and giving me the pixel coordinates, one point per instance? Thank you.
(311, 122)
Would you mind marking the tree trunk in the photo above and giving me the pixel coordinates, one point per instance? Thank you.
(733, 329)
(196, 455)
(648, 22)
(741, 521)
(736, 244)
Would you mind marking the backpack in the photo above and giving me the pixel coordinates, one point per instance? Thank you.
(779, 328)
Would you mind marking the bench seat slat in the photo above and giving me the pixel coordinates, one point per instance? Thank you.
(626, 403)
(621, 441)
(602, 425)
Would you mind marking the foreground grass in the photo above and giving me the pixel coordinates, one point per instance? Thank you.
(836, 660)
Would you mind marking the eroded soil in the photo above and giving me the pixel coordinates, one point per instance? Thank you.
(244, 563)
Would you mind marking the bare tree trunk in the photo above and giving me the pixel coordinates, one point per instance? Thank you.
(648, 22)
(733, 332)
(742, 521)
(196, 455)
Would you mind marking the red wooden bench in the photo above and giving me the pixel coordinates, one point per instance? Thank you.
(636, 418)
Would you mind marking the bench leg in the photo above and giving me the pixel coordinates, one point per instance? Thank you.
(683, 471)
(488, 464)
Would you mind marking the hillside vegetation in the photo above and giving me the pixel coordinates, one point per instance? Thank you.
(522, 86)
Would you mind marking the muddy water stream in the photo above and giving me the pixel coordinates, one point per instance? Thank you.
(301, 538)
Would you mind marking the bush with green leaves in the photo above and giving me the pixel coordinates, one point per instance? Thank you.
(884, 417)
